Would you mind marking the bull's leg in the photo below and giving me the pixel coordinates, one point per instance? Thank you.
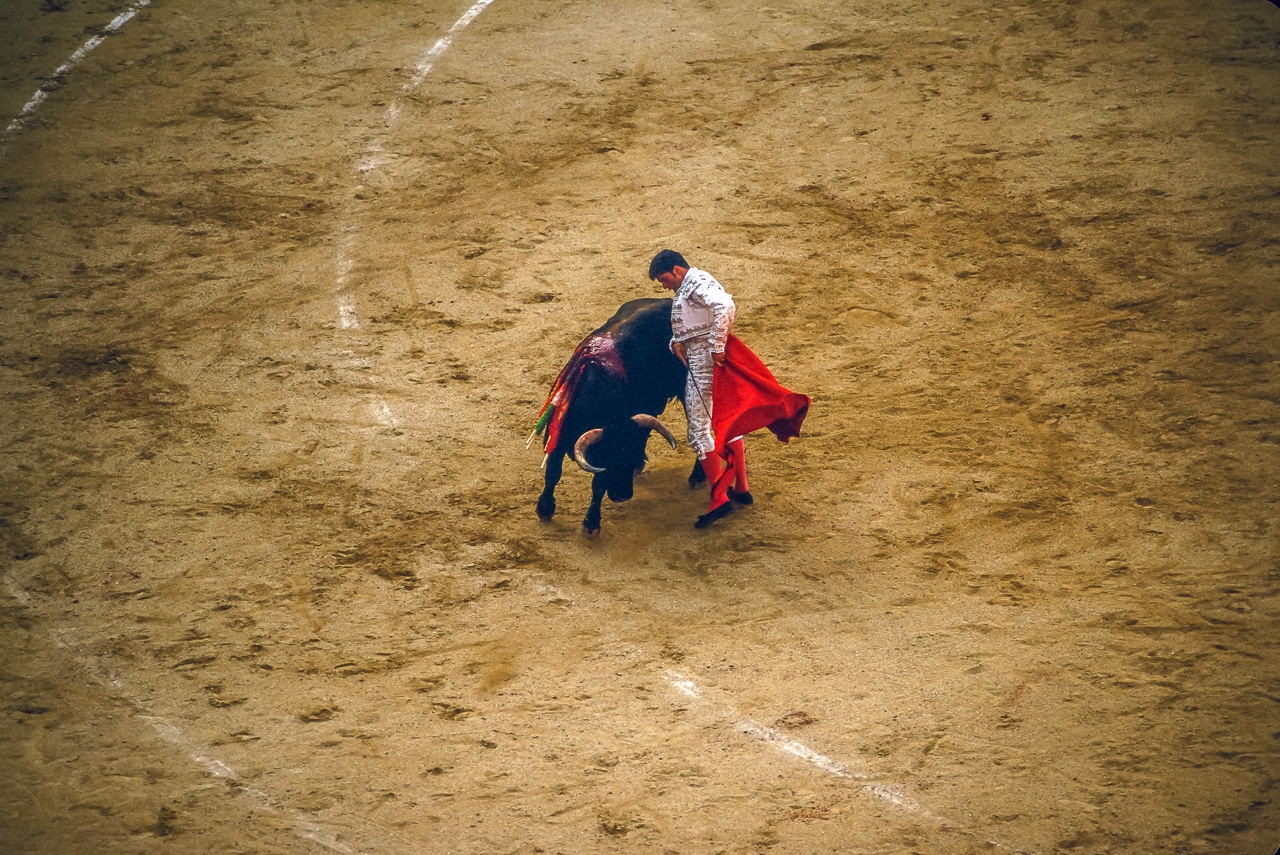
(697, 477)
(547, 501)
(591, 523)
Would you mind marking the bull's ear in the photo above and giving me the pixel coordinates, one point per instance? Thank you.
(649, 422)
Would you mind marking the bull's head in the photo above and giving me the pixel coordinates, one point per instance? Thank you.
(616, 454)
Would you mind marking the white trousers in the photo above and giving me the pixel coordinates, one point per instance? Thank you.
(697, 396)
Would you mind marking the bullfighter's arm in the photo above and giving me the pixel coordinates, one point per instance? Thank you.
(722, 310)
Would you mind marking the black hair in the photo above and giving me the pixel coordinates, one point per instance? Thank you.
(665, 262)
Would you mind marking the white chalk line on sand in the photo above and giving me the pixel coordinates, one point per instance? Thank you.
(55, 81)
(303, 827)
(428, 61)
(199, 754)
(347, 319)
(890, 793)
(768, 734)
(383, 413)
(750, 727)
(377, 155)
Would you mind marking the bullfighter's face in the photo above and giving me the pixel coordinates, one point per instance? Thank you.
(671, 281)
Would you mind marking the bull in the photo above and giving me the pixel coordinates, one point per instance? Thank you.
(605, 404)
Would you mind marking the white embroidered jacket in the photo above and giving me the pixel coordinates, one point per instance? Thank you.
(701, 307)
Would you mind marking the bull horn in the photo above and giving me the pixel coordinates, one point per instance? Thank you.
(580, 450)
(647, 421)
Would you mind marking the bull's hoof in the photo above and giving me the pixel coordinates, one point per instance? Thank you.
(743, 498)
(713, 515)
(697, 478)
(546, 510)
(590, 533)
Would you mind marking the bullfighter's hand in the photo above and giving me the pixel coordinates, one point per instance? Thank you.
(718, 358)
(681, 353)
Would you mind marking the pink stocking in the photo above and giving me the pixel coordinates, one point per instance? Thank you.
(718, 478)
(738, 463)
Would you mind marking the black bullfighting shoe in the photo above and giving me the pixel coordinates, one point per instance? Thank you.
(743, 498)
(713, 515)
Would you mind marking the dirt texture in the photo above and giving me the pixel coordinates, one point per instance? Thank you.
(281, 304)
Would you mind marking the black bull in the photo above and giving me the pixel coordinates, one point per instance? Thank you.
(605, 403)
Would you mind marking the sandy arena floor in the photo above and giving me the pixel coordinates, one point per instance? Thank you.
(284, 289)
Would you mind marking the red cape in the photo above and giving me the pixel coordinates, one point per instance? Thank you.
(746, 397)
